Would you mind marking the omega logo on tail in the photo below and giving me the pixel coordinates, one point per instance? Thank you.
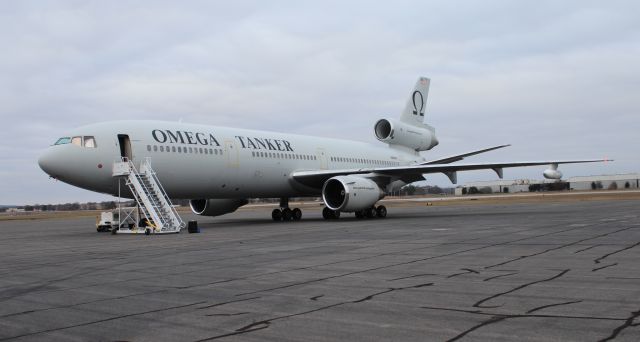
(415, 106)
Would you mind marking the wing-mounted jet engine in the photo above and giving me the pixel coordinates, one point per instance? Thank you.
(215, 207)
(352, 194)
(552, 172)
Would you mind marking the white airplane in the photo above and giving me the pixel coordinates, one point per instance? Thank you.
(218, 168)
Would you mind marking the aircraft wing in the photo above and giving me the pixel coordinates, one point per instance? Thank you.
(458, 157)
(316, 178)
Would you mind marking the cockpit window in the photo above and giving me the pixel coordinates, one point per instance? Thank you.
(77, 141)
(63, 141)
(89, 141)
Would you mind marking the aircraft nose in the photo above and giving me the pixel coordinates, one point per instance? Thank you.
(50, 163)
(45, 162)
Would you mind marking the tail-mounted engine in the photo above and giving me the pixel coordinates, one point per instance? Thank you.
(395, 132)
(350, 193)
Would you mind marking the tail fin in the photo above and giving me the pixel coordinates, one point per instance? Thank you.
(413, 112)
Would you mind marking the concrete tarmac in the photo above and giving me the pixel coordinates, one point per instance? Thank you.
(564, 271)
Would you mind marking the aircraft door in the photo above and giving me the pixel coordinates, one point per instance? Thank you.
(232, 151)
(125, 146)
(322, 158)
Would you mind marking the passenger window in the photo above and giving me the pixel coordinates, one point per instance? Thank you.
(77, 141)
(63, 141)
(90, 142)
(149, 148)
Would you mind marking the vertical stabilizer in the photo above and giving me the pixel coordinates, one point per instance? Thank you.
(417, 104)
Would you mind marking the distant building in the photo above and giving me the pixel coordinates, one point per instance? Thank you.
(624, 181)
(607, 182)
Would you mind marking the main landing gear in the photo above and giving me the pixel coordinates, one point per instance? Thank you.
(379, 211)
(285, 213)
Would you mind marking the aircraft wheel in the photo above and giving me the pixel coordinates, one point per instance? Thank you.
(287, 214)
(147, 231)
(297, 214)
(381, 211)
(359, 214)
(326, 213)
(336, 214)
(276, 215)
(370, 212)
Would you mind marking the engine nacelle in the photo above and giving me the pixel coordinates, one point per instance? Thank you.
(395, 132)
(350, 193)
(552, 172)
(216, 207)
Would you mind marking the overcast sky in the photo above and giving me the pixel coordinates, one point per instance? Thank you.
(557, 79)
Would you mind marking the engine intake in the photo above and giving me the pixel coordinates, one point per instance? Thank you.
(350, 193)
(395, 132)
(215, 207)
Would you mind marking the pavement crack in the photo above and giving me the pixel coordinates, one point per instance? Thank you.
(599, 268)
(100, 321)
(586, 249)
(497, 317)
(491, 320)
(263, 324)
(79, 304)
(598, 260)
(466, 271)
(229, 302)
(228, 314)
(552, 305)
(414, 276)
(408, 262)
(627, 323)
(558, 247)
(500, 276)
(479, 303)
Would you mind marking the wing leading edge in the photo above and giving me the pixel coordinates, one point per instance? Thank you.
(315, 177)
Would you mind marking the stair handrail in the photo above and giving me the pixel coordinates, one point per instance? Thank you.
(147, 161)
(135, 172)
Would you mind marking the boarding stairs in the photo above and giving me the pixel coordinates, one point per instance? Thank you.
(161, 216)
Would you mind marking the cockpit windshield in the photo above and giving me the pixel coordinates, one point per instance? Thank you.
(63, 141)
(86, 141)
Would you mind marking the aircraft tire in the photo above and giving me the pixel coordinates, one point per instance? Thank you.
(359, 214)
(336, 214)
(297, 214)
(287, 214)
(326, 213)
(381, 211)
(370, 213)
(276, 215)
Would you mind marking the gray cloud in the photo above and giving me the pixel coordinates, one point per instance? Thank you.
(557, 80)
